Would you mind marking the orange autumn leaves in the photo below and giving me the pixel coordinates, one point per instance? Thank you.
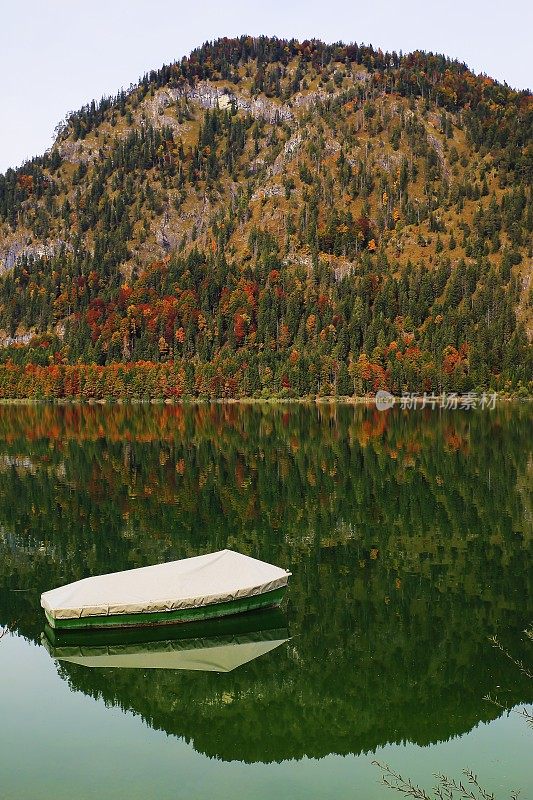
(454, 359)
(375, 376)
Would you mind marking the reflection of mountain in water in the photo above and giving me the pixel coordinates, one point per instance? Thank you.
(314, 700)
(408, 537)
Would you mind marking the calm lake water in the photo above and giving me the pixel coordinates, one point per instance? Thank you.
(409, 537)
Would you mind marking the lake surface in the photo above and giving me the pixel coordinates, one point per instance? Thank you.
(409, 537)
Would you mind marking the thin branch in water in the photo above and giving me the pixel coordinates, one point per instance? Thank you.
(396, 781)
(522, 712)
(520, 664)
(446, 788)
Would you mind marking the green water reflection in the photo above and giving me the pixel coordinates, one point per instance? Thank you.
(408, 535)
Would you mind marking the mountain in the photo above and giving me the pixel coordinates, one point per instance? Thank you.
(271, 217)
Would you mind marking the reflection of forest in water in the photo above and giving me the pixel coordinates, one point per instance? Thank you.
(408, 534)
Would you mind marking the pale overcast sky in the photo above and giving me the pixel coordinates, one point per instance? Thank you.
(56, 55)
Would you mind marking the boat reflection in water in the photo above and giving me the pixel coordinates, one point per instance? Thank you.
(216, 646)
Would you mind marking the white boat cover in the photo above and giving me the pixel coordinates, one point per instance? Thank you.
(191, 583)
(223, 656)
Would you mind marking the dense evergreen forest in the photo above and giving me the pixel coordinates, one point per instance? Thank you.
(275, 218)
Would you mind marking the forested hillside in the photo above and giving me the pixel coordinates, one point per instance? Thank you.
(269, 217)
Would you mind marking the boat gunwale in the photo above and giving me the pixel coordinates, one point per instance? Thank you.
(271, 598)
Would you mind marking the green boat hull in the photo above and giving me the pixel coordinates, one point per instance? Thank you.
(149, 619)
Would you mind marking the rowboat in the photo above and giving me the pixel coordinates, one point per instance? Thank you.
(193, 589)
(213, 646)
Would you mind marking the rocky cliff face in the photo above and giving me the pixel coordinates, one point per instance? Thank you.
(16, 247)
